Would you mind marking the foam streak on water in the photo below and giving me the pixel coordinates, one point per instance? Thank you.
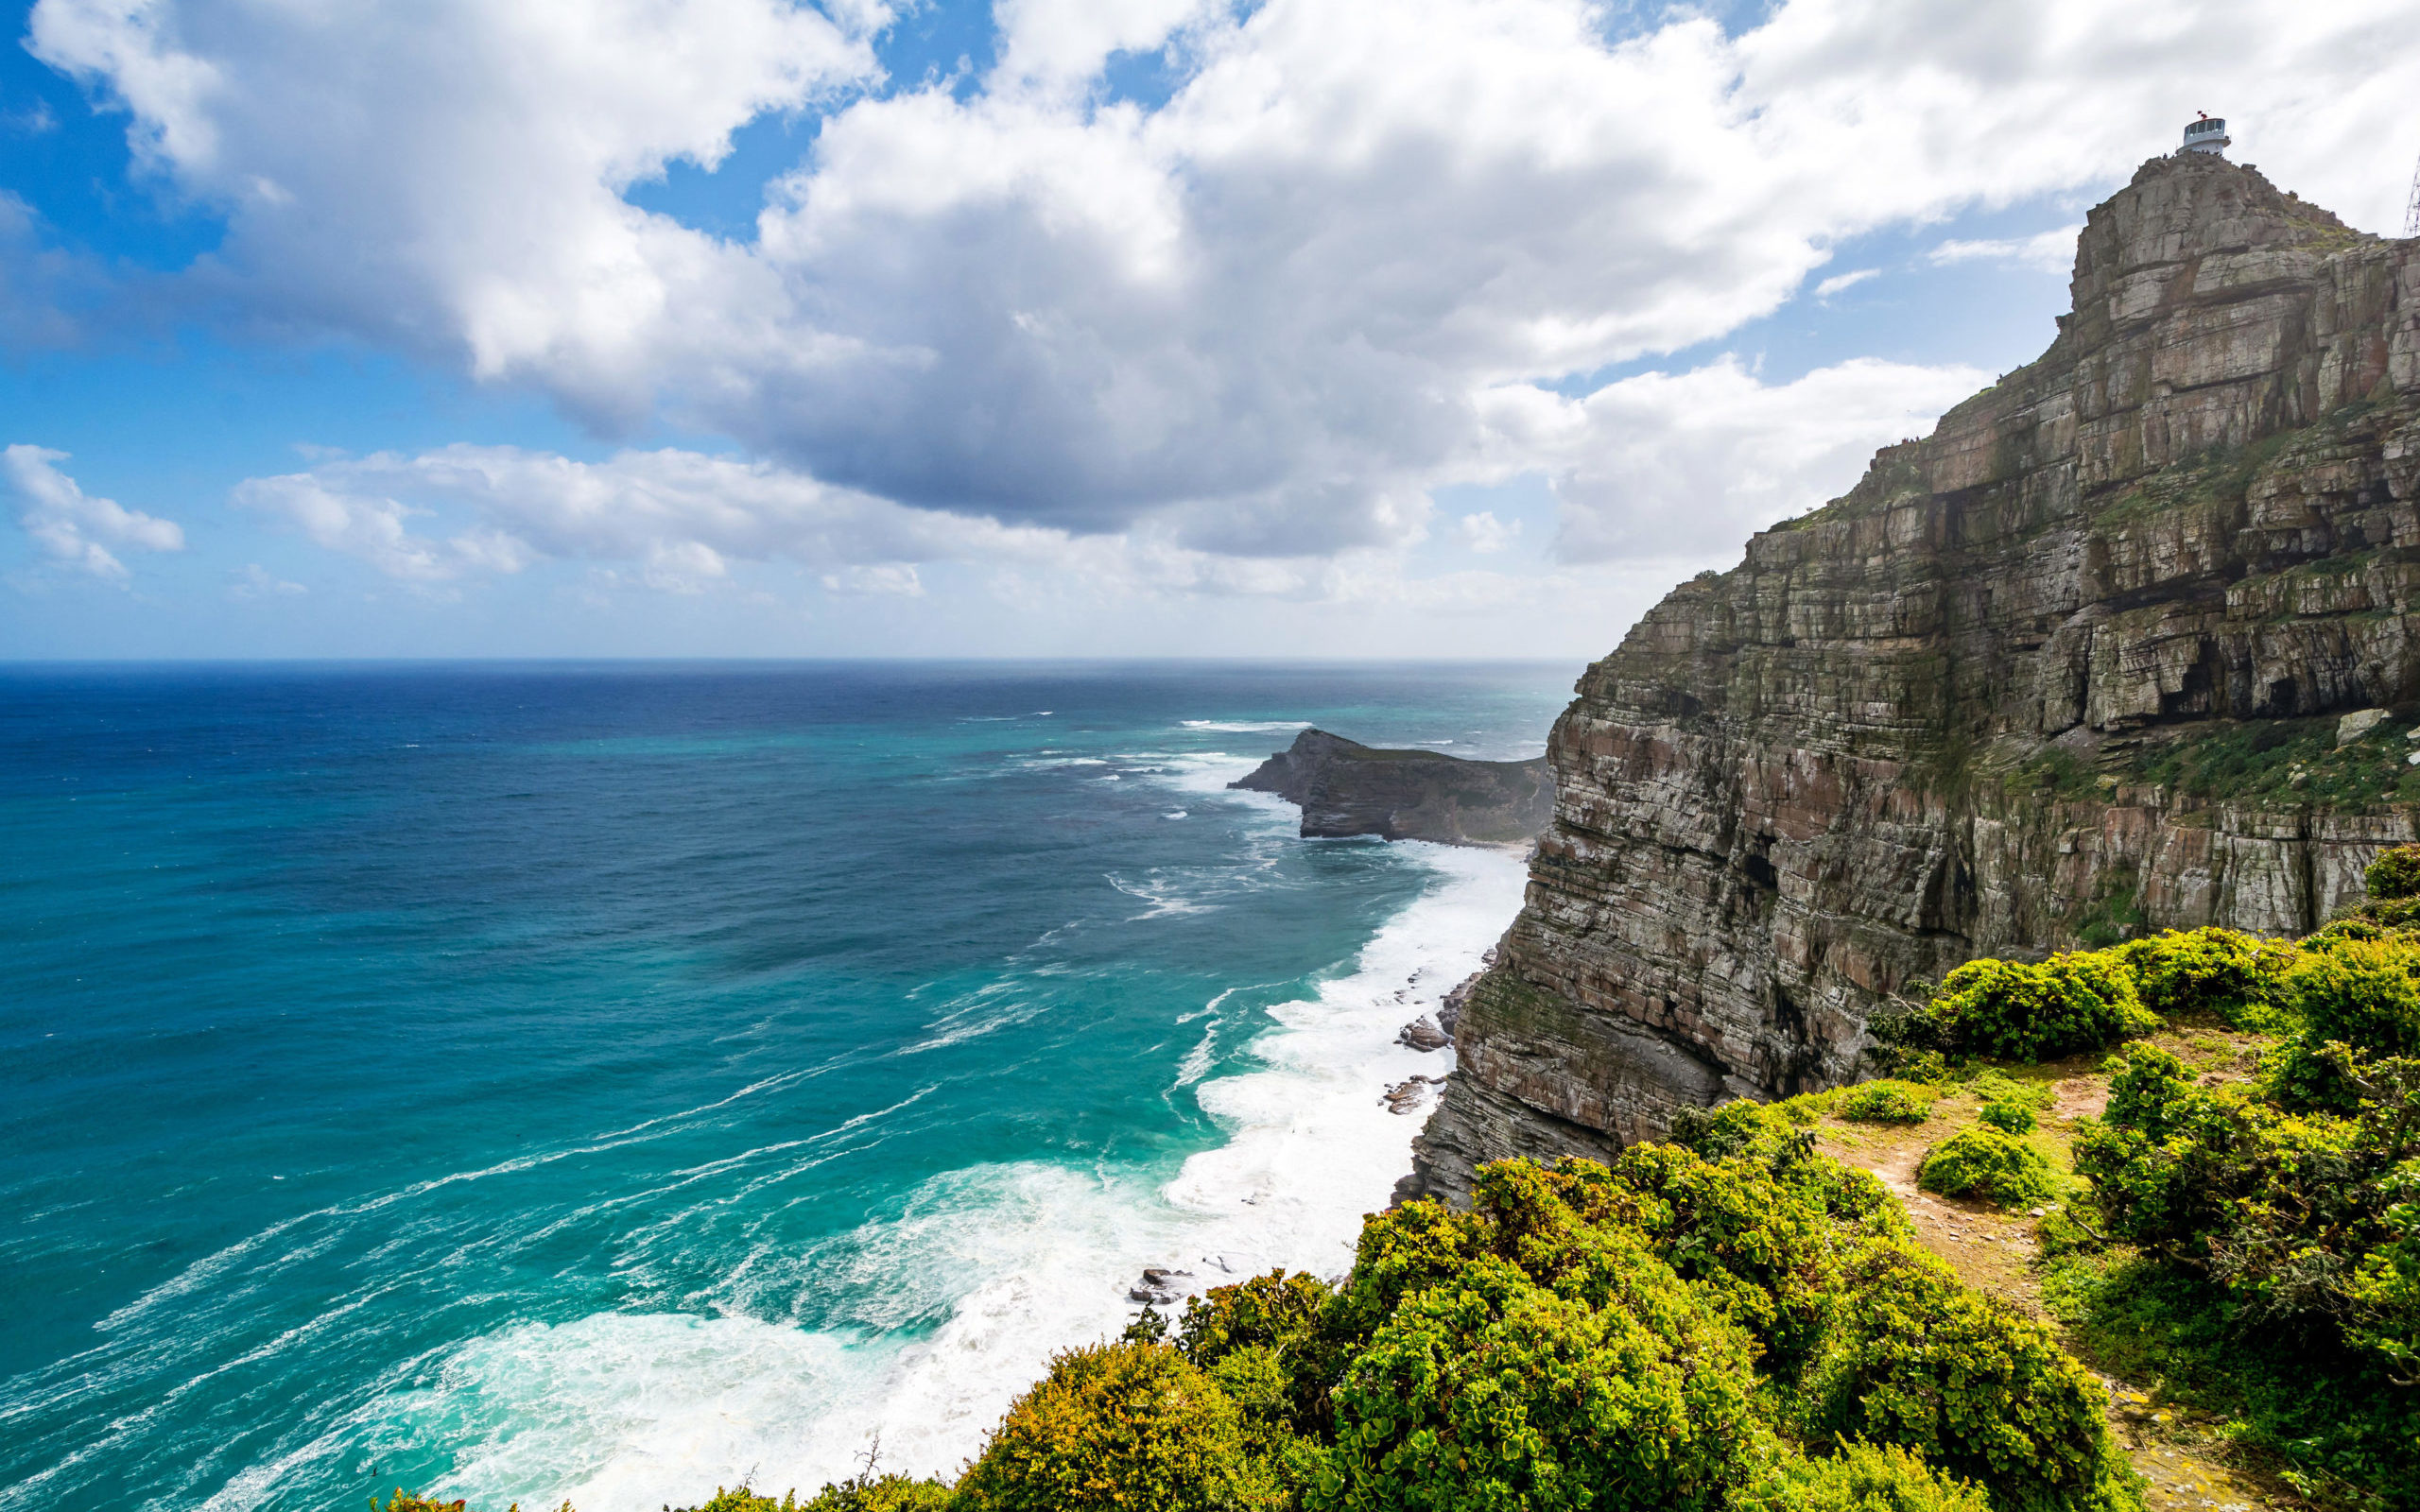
(555, 1083)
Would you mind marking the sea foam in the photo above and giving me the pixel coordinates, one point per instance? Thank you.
(625, 1412)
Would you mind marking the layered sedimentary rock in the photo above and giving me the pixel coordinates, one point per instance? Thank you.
(1346, 788)
(2065, 669)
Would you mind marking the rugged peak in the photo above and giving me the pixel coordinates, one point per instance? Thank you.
(2186, 206)
(2065, 669)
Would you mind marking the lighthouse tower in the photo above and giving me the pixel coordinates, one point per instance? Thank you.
(2206, 134)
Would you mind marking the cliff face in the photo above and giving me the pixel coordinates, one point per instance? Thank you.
(1346, 788)
(2067, 668)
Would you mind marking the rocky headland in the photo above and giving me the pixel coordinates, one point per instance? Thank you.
(1345, 788)
(2076, 665)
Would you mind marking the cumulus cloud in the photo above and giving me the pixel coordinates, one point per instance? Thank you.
(2052, 252)
(677, 520)
(446, 176)
(73, 527)
(1336, 269)
(680, 515)
(1680, 464)
(1485, 534)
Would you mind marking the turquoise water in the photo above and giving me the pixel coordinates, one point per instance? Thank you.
(609, 1082)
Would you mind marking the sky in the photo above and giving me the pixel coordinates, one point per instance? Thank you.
(1296, 328)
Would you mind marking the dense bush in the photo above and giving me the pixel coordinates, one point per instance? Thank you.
(1978, 1389)
(1984, 1163)
(740, 1498)
(2355, 1009)
(1494, 1391)
(1860, 1478)
(2300, 1217)
(2009, 1010)
(2009, 1117)
(2221, 972)
(1881, 1101)
(2395, 874)
(1124, 1426)
(1264, 1341)
(870, 1493)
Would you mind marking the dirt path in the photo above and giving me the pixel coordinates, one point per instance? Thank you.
(2176, 1452)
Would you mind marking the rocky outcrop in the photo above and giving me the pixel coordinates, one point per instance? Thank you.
(2067, 668)
(1346, 788)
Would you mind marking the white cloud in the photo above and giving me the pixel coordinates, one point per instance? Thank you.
(1261, 321)
(1485, 534)
(897, 578)
(73, 527)
(1670, 464)
(1838, 283)
(2052, 252)
(371, 527)
(252, 580)
(446, 176)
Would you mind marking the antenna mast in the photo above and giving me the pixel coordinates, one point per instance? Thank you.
(2412, 206)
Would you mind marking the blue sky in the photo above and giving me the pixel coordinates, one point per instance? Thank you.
(736, 327)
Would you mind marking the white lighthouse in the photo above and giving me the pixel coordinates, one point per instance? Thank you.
(2206, 134)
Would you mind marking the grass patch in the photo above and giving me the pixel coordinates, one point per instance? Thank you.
(2331, 1425)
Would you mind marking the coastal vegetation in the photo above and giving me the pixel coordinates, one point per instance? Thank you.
(2214, 1140)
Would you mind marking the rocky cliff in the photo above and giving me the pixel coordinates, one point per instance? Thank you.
(2072, 666)
(1346, 788)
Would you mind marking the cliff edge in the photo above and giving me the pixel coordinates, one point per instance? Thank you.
(1346, 788)
(2071, 667)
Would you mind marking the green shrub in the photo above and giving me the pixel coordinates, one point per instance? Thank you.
(2223, 972)
(1277, 1320)
(740, 1498)
(872, 1493)
(2299, 1217)
(2356, 1005)
(2382, 1315)
(1497, 1392)
(1881, 1101)
(1860, 1478)
(1120, 1426)
(2009, 1118)
(2293, 1396)
(1738, 1128)
(1986, 1163)
(2394, 874)
(1976, 1388)
(2009, 1010)
(1759, 1247)
(1275, 1310)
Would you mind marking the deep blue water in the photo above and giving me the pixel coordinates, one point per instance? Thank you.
(614, 1081)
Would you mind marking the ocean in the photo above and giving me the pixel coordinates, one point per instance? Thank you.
(608, 1082)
